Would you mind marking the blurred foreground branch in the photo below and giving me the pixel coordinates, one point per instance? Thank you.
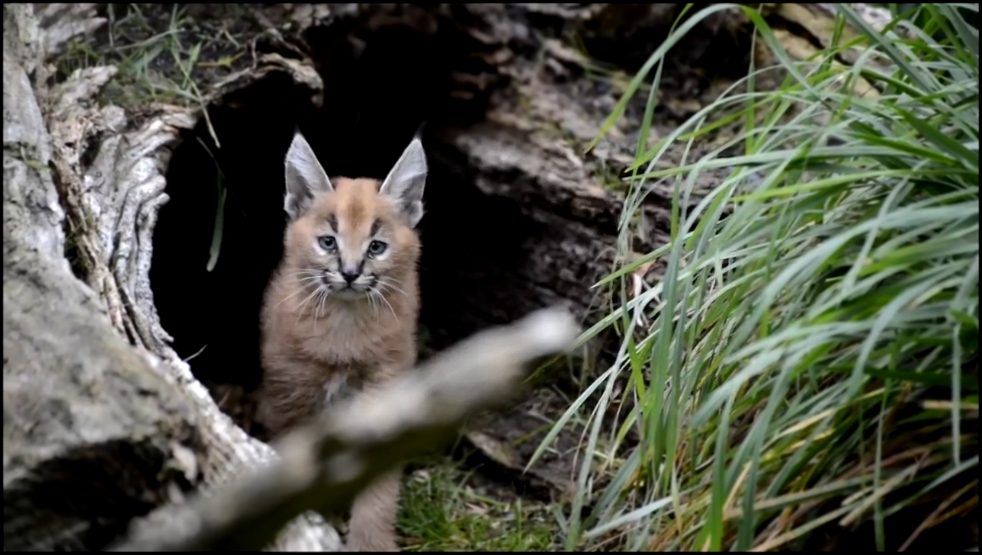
(324, 464)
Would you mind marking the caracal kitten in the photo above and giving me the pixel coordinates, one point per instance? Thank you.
(339, 314)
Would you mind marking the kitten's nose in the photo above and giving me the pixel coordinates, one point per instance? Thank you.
(350, 274)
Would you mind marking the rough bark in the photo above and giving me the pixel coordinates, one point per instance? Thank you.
(95, 433)
(88, 427)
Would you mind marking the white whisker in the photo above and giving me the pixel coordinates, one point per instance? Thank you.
(385, 282)
(371, 301)
(322, 303)
(300, 308)
(288, 297)
(306, 274)
(322, 295)
(386, 301)
(311, 276)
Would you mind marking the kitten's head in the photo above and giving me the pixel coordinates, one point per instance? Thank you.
(352, 238)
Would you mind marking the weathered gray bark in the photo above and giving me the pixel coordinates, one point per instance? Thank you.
(95, 433)
(88, 427)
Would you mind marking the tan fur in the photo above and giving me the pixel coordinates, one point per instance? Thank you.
(317, 349)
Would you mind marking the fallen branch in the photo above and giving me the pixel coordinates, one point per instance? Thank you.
(324, 464)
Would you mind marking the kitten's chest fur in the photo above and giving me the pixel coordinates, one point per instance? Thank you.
(316, 356)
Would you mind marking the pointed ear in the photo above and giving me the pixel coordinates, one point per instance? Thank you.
(305, 178)
(404, 184)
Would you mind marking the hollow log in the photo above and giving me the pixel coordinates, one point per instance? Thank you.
(98, 429)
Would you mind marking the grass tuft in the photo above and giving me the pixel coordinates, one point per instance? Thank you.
(808, 360)
(442, 510)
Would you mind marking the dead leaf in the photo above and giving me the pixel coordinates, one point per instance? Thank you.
(683, 107)
(494, 449)
(562, 52)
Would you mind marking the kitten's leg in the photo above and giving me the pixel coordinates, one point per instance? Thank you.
(373, 515)
(288, 395)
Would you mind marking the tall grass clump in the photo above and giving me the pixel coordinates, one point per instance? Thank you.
(808, 360)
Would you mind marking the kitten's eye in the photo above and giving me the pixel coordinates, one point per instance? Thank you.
(376, 248)
(327, 242)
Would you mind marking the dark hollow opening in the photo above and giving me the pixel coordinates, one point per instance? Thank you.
(379, 88)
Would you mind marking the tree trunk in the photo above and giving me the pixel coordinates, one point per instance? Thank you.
(98, 404)
(96, 432)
